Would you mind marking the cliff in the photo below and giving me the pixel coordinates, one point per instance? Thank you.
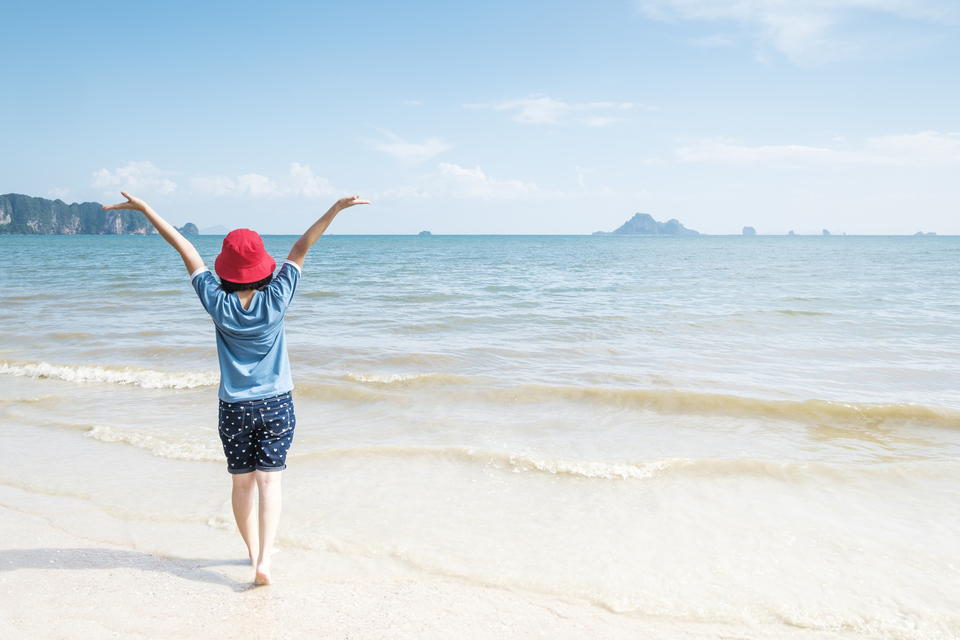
(643, 224)
(23, 215)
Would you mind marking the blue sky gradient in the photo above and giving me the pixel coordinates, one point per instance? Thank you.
(527, 117)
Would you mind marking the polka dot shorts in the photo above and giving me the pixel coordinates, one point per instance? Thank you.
(256, 434)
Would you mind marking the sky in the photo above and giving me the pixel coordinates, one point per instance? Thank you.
(497, 117)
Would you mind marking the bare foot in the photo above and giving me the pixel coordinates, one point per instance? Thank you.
(263, 576)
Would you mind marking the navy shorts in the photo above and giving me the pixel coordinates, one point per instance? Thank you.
(256, 434)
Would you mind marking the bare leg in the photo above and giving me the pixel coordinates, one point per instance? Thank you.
(271, 501)
(243, 501)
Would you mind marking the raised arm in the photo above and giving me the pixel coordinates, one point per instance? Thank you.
(301, 246)
(191, 259)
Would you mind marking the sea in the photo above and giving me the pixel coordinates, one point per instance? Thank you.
(720, 433)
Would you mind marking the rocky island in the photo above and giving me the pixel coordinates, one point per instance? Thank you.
(25, 215)
(643, 224)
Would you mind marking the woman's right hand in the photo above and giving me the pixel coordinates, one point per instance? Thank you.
(348, 201)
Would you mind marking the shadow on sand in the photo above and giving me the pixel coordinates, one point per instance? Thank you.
(13, 559)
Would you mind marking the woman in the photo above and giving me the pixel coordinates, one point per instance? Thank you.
(257, 419)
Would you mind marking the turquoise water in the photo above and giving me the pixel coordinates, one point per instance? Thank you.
(718, 430)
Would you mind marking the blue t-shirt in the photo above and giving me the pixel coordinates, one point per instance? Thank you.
(250, 342)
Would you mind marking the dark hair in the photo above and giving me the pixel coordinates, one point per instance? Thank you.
(230, 287)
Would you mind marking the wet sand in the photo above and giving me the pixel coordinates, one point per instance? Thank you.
(58, 585)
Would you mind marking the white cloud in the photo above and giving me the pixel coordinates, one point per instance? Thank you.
(451, 181)
(213, 186)
(473, 183)
(454, 181)
(532, 110)
(137, 178)
(924, 148)
(806, 31)
(299, 182)
(410, 152)
(255, 185)
(546, 110)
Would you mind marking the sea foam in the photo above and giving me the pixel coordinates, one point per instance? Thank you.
(146, 378)
(183, 450)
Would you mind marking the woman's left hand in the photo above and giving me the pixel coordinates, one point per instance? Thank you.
(136, 204)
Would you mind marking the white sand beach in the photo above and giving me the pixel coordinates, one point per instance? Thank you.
(58, 585)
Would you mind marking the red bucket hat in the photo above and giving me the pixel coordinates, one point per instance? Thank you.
(243, 258)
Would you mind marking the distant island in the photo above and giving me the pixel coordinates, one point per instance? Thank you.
(25, 215)
(643, 224)
(220, 230)
(424, 233)
(749, 231)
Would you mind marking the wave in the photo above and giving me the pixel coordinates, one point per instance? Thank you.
(19, 399)
(72, 336)
(207, 451)
(515, 462)
(663, 401)
(146, 378)
(158, 446)
(526, 462)
(124, 289)
(512, 462)
(688, 402)
(390, 379)
(416, 387)
(505, 462)
(367, 388)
